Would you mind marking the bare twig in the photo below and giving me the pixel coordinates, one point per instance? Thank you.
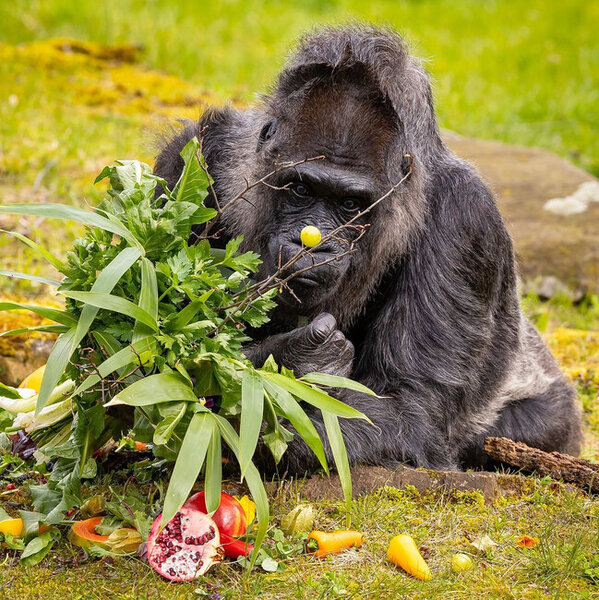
(559, 466)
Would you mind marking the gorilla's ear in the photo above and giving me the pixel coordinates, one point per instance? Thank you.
(267, 131)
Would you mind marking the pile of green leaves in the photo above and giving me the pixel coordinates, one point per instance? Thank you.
(150, 349)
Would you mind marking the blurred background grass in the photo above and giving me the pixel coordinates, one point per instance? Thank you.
(524, 73)
(521, 72)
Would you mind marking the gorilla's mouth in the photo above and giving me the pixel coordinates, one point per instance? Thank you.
(306, 280)
(305, 290)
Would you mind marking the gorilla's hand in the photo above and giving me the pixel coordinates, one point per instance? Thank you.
(319, 346)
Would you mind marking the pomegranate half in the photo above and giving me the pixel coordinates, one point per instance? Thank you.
(186, 548)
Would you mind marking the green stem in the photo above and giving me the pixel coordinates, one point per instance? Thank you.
(165, 292)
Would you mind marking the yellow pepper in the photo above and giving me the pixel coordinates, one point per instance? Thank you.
(322, 543)
(249, 508)
(33, 381)
(403, 552)
(12, 527)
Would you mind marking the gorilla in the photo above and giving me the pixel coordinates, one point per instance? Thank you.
(425, 309)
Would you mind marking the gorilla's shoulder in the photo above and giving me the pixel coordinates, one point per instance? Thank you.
(218, 128)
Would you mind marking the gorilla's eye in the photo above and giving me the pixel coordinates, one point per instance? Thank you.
(350, 204)
(301, 190)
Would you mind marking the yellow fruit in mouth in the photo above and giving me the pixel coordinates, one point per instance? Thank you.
(310, 236)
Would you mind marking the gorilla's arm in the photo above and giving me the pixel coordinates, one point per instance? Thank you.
(402, 430)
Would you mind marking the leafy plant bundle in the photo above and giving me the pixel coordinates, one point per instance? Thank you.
(149, 349)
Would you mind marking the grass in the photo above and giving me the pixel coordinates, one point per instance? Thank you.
(522, 73)
(441, 523)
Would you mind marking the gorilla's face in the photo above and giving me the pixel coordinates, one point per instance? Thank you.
(327, 197)
(341, 124)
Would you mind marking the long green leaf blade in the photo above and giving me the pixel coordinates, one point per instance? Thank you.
(333, 429)
(315, 397)
(336, 381)
(42, 328)
(252, 407)
(57, 363)
(71, 213)
(214, 471)
(57, 264)
(148, 298)
(293, 412)
(58, 316)
(254, 481)
(106, 341)
(188, 465)
(28, 277)
(115, 304)
(105, 282)
(163, 387)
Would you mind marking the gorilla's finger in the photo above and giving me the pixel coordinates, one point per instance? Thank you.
(337, 339)
(321, 328)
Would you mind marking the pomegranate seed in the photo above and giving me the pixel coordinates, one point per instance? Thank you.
(11, 486)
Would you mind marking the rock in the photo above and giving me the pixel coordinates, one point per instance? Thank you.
(551, 287)
(367, 479)
(552, 239)
(25, 359)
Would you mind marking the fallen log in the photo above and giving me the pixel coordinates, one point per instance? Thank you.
(578, 471)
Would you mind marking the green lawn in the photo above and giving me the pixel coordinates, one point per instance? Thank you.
(526, 73)
(565, 564)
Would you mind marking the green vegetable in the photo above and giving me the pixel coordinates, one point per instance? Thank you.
(299, 520)
(28, 402)
(151, 334)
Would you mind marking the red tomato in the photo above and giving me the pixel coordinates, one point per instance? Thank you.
(229, 517)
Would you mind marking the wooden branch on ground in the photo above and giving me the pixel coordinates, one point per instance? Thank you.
(578, 471)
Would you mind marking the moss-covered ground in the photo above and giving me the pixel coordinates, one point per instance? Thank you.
(68, 108)
(442, 524)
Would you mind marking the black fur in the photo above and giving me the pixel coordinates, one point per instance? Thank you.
(426, 312)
